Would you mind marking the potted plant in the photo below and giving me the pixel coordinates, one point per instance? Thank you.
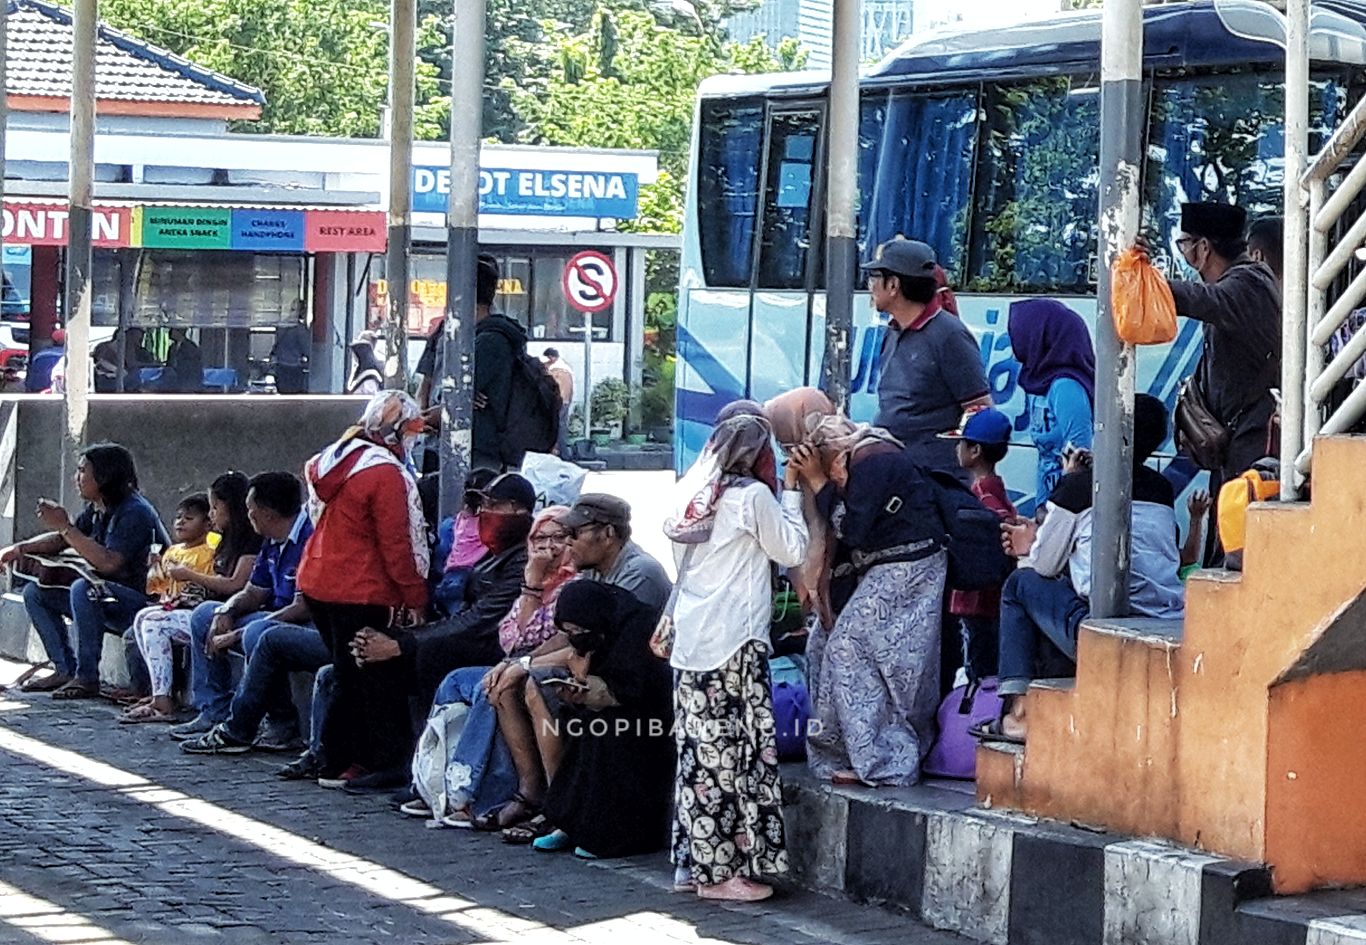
(610, 400)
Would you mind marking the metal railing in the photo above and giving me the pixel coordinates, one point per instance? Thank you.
(1310, 317)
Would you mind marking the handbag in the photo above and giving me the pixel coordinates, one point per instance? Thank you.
(1199, 433)
(662, 640)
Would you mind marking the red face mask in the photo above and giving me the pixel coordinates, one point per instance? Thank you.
(499, 531)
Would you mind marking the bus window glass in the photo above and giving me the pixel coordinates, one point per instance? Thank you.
(1219, 137)
(787, 200)
(728, 190)
(1034, 226)
(916, 176)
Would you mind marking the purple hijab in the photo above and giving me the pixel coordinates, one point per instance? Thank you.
(1051, 341)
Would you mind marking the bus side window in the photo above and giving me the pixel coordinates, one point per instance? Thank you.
(728, 190)
(1034, 224)
(787, 199)
(916, 170)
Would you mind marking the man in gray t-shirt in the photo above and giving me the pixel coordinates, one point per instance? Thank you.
(601, 548)
(931, 370)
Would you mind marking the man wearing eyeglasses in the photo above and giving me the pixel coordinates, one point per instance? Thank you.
(1239, 302)
(931, 368)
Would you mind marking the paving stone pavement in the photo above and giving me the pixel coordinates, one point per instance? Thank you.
(119, 831)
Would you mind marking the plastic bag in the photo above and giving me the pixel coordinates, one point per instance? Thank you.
(556, 481)
(438, 739)
(1145, 312)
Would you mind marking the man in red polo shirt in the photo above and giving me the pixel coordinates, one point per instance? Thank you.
(931, 369)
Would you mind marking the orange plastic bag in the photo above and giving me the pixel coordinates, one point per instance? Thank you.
(1145, 312)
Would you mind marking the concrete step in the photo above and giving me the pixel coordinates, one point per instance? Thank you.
(1014, 880)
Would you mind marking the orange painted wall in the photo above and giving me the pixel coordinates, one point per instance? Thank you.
(1316, 770)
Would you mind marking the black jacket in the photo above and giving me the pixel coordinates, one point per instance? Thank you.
(470, 637)
(498, 343)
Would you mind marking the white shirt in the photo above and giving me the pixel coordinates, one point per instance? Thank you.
(725, 597)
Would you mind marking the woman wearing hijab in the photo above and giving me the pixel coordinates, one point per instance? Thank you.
(874, 677)
(609, 793)
(480, 776)
(1058, 374)
(365, 566)
(793, 416)
(367, 375)
(728, 820)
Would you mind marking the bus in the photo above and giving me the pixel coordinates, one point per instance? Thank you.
(985, 145)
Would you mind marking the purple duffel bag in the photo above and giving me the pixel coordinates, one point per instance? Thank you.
(954, 754)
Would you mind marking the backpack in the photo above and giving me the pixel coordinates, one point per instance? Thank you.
(954, 754)
(533, 414)
(972, 535)
(791, 708)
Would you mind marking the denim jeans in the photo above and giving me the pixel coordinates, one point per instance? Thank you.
(47, 607)
(479, 767)
(211, 676)
(1035, 609)
(324, 689)
(278, 650)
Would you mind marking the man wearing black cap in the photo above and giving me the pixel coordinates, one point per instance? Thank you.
(1239, 302)
(931, 367)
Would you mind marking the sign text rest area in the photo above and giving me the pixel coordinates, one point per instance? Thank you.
(223, 228)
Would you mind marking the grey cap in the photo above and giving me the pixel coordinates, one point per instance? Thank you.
(903, 257)
(597, 509)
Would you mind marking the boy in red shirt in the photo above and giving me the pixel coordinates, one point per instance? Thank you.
(983, 438)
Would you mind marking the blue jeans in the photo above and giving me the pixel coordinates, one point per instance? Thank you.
(112, 613)
(480, 752)
(211, 676)
(1034, 609)
(324, 689)
(278, 650)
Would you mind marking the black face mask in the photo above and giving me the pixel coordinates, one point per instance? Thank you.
(585, 643)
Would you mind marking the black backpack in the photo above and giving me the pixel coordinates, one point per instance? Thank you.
(533, 414)
(973, 536)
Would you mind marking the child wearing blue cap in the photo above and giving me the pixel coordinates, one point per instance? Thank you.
(983, 438)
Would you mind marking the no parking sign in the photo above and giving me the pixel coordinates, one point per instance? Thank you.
(589, 281)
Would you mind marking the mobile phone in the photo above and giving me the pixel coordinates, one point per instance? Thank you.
(567, 682)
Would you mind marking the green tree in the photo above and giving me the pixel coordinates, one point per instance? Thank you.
(630, 81)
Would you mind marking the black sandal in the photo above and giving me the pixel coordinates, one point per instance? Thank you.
(992, 732)
(524, 833)
(77, 690)
(493, 820)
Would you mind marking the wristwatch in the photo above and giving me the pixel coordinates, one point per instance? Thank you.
(525, 663)
(221, 611)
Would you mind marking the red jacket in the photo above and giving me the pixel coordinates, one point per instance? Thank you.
(363, 548)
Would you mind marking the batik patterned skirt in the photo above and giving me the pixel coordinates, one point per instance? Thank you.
(874, 678)
(728, 806)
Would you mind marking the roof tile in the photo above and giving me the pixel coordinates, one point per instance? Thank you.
(128, 69)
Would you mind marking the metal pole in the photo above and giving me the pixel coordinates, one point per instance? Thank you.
(587, 374)
(1121, 131)
(402, 53)
(1295, 289)
(841, 234)
(81, 174)
(462, 252)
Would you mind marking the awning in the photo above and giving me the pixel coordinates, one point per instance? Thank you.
(247, 228)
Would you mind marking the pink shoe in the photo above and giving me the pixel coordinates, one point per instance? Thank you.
(736, 889)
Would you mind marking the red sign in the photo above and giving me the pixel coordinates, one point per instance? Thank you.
(37, 224)
(344, 231)
(589, 281)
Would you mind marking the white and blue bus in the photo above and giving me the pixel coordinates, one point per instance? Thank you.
(986, 146)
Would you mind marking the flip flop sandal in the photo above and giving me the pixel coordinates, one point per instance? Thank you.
(74, 690)
(119, 695)
(552, 842)
(526, 832)
(144, 714)
(460, 819)
(46, 684)
(28, 674)
(493, 820)
(991, 732)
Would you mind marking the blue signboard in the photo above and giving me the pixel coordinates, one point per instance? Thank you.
(280, 231)
(535, 193)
